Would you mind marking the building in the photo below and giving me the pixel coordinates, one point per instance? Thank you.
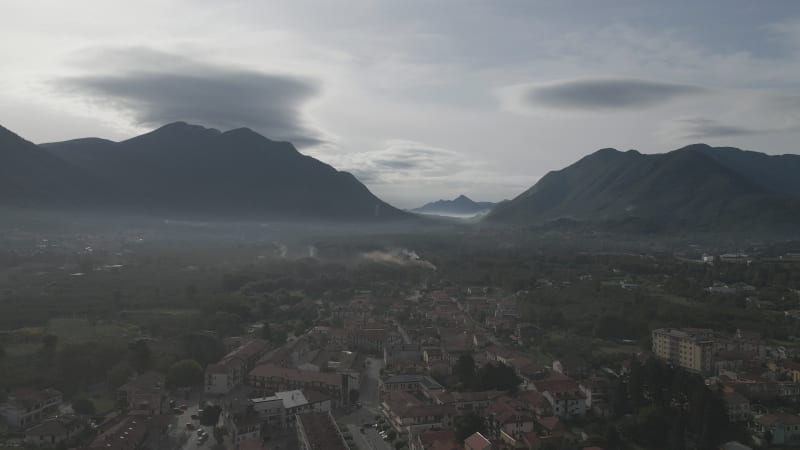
(477, 441)
(55, 431)
(274, 378)
(410, 416)
(466, 402)
(26, 407)
(144, 394)
(276, 410)
(783, 428)
(508, 416)
(231, 371)
(564, 395)
(409, 383)
(318, 431)
(688, 348)
(436, 440)
(737, 407)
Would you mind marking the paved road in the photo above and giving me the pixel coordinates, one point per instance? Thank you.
(369, 396)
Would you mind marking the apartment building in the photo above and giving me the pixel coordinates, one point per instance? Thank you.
(689, 348)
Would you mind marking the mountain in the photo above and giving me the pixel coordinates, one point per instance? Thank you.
(32, 177)
(460, 206)
(192, 170)
(698, 187)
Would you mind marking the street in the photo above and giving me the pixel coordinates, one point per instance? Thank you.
(369, 396)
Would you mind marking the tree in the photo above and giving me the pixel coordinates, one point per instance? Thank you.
(219, 434)
(468, 424)
(83, 405)
(119, 375)
(185, 373)
(465, 369)
(210, 415)
(141, 357)
(49, 343)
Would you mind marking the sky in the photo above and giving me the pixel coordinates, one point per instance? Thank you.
(420, 99)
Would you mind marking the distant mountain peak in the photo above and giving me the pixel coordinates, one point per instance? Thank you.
(459, 206)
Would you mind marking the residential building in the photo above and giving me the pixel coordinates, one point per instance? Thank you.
(231, 371)
(477, 441)
(408, 383)
(436, 440)
(737, 407)
(564, 395)
(509, 416)
(274, 378)
(26, 407)
(466, 402)
(688, 348)
(55, 431)
(409, 415)
(783, 428)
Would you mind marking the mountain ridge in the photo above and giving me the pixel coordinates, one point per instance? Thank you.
(694, 186)
(181, 168)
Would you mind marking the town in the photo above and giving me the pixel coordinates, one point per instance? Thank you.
(591, 350)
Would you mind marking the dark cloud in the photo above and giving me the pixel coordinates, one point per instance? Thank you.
(594, 94)
(698, 128)
(221, 97)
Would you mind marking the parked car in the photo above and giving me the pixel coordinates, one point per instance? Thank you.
(190, 426)
(195, 417)
(200, 431)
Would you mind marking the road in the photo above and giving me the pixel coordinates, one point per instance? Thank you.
(369, 396)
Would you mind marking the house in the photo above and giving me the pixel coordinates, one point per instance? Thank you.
(409, 383)
(274, 378)
(564, 395)
(466, 402)
(276, 410)
(231, 371)
(26, 407)
(436, 440)
(146, 394)
(243, 425)
(737, 407)
(319, 431)
(54, 431)
(477, 441)
(509, 416)
(783, 428)
(409, 415)
(535, 402)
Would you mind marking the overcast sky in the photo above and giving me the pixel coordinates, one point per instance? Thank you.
(420, 99)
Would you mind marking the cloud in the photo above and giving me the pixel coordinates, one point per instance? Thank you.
(698, 128)
(157, 88)
(402, 160)
(702, 128)
(605, 93)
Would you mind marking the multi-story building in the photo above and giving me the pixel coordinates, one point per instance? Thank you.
(26, 407)
(274, 378)
(231, 371)
(689, 348)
